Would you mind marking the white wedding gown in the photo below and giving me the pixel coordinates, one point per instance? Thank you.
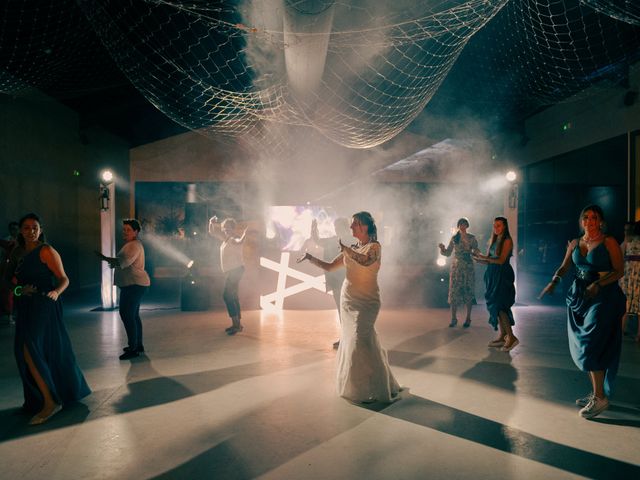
(363, 368)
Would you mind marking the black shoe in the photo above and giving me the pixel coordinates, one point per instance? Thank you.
(129, 349)
(128, 354)
(235, 330)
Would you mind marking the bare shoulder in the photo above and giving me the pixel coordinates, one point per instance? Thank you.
(611, 242)
(48, 252)
(374, 248)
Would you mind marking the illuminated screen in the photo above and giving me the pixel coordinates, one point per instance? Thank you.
(290, 225)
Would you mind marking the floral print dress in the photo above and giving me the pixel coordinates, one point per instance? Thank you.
(461, 277)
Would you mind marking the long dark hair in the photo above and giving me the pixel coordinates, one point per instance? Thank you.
(505, 235)
(456, 237)
(365, 218)
(30, 216)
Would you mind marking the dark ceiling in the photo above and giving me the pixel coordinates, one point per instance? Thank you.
(510, 69)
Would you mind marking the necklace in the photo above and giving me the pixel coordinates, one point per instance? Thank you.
(588, 240)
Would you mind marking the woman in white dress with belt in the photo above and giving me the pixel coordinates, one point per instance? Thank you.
(363, 373)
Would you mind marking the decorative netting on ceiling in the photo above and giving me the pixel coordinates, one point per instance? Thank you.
(356, 72)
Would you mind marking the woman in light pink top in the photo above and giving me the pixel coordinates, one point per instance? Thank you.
(133, 281)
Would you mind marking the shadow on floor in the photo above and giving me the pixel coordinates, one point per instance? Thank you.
(452, 421)
(146, 388)
(273, 435)
(15, 421)
(495, 369)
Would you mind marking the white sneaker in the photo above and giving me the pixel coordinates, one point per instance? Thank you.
(584, 401)
(595, 407)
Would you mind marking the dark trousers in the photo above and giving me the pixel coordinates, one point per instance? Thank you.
(130, 297)
(230, 294)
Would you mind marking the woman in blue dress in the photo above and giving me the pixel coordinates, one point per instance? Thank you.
(595, 304)
(47, 365)
(499, 280)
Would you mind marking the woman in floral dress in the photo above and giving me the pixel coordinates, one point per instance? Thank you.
(461, 276)
(630, 283)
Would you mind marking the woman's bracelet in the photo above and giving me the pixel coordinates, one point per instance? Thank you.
(556, 279)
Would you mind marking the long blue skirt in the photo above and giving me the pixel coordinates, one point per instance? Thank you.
(594, 329)
(40, 328)
(500, 291)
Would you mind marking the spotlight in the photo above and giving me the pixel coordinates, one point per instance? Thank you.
(190, 264)
(106, 176)
(511, 176)
(441, 262)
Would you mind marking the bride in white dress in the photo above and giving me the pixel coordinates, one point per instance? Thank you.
(363, 373)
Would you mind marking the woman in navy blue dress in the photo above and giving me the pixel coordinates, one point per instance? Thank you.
(595, 304)
(47, 365)
(499, 280)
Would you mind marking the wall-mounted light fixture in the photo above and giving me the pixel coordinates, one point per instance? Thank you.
(513, 195)
(104, 198)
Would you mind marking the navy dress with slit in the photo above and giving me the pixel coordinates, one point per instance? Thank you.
(500, 290)
(594, 329)
(40, 328)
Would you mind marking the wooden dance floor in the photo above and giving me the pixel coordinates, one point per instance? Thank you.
(204, 405)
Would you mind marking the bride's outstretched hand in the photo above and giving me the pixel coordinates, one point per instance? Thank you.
(304, 257)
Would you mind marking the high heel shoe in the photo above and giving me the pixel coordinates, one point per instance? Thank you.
(454, 322)
(467, 323)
